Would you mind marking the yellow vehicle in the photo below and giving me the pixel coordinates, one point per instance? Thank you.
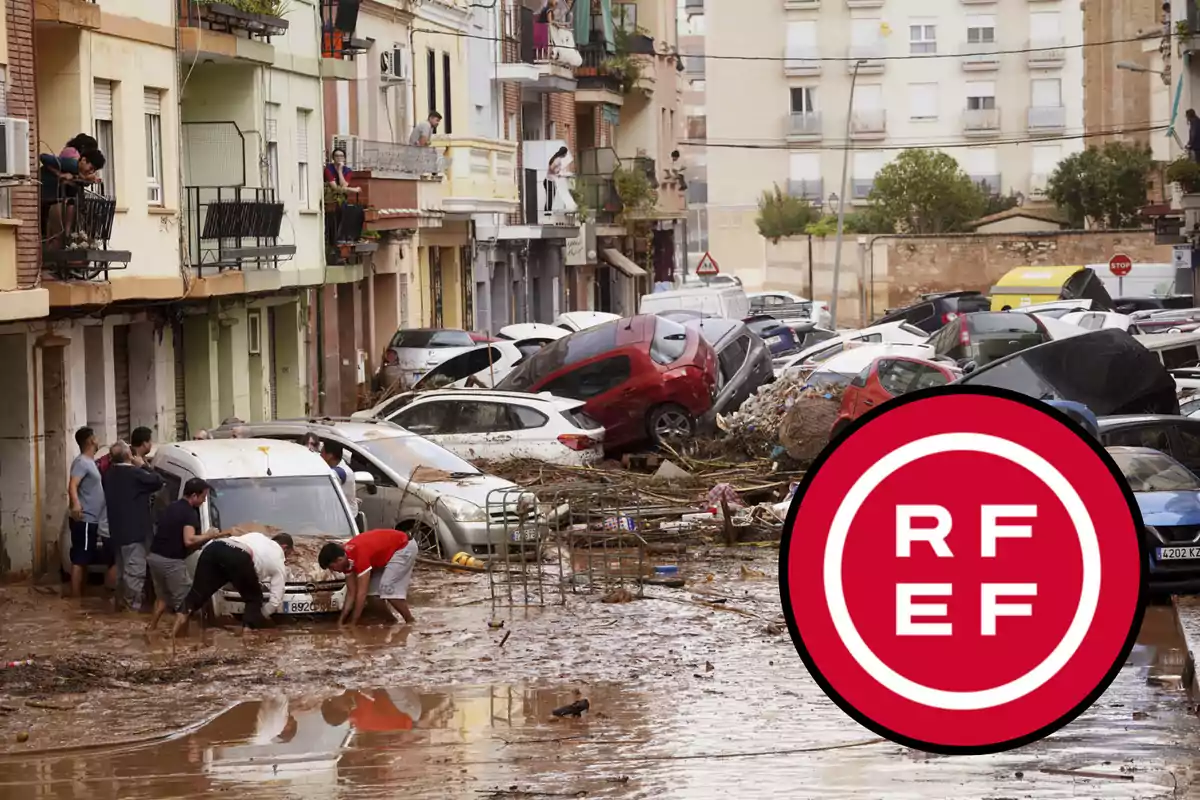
(1027, 286)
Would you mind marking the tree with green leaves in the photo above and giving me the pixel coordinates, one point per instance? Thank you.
(781, 215)
(1102, 187)
(925, 191)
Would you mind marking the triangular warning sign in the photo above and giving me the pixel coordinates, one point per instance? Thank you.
(707, 266)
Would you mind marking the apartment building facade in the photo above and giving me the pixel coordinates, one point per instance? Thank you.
(997, 85)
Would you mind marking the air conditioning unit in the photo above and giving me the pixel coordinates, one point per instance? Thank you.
(395, 65)
(14, 147)
(350, 145)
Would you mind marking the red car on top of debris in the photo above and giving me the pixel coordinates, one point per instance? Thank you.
(885, 378)
(644, 378)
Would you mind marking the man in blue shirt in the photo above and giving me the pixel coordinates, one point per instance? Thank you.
(87, 509)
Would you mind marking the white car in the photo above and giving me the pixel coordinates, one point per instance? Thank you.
(574, 321)
(844, 367)
(901, 333)
(282, 485)
(413, 352)
(766, 302)
(501, 426)
(1097, 320)
(533, 332)
(409, 483)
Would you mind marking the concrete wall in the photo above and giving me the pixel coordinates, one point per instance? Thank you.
(886, 271)
(16, 454)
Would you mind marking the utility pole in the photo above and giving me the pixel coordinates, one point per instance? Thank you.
(841, 221)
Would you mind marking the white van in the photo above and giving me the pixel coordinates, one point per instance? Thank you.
(729, 302)
(1174, 350)
(278, 484)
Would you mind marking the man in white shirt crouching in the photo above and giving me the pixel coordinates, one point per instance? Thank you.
(251, 562)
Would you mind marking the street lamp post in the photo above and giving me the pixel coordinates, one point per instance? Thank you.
(841, 221)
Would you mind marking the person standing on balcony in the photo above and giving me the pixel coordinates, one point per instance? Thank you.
(338, 175)
(1193, 140)
(423, 132)
(554, 174)
(338, 194)
(61, 182)
(541, 30)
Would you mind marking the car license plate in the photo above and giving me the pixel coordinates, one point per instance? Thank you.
(773, 340)
(523, 536)
(1178, 553)
(307, 606)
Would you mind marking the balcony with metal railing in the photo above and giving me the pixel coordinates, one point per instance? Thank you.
(990, 184)
(868, 123)
(76, 228)
(596, 186)
(339, 46)
(803, 126)
(545, 58)
(868, 57)
(802, 61)
(234, 30)
(981, 122)
(597, 82)
(812, 189)
(980, 56)
(1046, 52)
(233, 228)
(1044, 119)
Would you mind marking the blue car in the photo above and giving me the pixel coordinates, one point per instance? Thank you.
(1168, 495)
(781, 339)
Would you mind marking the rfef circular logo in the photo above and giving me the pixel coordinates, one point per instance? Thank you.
(964, 571)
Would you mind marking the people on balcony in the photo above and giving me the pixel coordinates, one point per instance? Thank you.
(558, 190)
(63, 178)
(541, 29)
(344, 216)
(423, 132)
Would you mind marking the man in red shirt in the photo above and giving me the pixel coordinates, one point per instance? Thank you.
(377, 563)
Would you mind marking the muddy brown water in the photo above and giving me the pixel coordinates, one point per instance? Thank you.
(686, 701)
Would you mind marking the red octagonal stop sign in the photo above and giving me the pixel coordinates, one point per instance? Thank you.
(964, 571)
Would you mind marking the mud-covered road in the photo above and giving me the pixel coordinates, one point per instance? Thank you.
(694, 693)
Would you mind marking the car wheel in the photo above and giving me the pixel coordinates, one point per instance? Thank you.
(425, 536)
(671, 425)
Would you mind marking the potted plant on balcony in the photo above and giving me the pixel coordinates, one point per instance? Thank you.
(1185, 173)
(263, 17)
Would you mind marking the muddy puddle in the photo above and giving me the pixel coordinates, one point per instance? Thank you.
(692, 695)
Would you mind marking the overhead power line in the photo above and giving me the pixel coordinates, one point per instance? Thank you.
(837, 59)
(840, 146)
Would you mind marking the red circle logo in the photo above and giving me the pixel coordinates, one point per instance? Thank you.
(964, 570)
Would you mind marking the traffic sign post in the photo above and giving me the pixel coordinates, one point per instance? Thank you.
(942, 565)
(707, 268)
(1120, 265)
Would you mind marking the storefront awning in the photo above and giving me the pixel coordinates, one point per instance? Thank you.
(619, 260)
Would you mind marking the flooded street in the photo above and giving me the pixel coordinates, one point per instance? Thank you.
(692, 692)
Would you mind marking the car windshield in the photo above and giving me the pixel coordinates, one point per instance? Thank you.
(300, 506)
(1155, 472)
(423, 339)
(405, 454)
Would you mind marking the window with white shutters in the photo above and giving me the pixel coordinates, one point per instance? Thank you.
(303, 116)
(103, 128)
(981, 29)
(923, 101)
(154, 155)
(981, 95)
(1045, 158)
(271, 134)
(922, 37)
(1046, 93)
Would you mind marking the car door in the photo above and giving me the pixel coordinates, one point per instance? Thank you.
(432, 419)
(1185, 446)
(483, 430)
(385, 503)
(610, 396)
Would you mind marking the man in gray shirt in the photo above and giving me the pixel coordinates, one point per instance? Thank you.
(86, 493)
(423, 132)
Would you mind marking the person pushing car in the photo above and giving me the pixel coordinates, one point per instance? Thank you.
(377, 563)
